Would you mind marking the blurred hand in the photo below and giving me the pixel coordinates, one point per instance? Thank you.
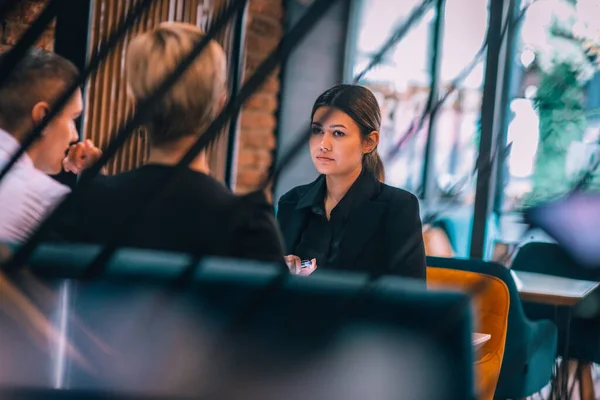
(294, 265)
(81, 156)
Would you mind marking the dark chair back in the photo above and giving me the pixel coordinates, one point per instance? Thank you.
(551, 259)
(234, 329)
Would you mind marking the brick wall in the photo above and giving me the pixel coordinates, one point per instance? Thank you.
(258, 119)
(17, 22)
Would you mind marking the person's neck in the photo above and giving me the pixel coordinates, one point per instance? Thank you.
(172, 153)
(33, 152)
(34, 155)
(338, 185)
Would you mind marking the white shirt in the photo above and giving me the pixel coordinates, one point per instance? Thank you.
(27, 195)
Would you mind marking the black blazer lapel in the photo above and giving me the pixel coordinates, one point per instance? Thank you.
(291, 222)
(293, 211)
(360, 227)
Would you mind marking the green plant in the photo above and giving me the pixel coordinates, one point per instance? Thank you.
(562, 121)
(561, 41)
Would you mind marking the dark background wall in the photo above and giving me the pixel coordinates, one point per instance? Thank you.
(315, 65)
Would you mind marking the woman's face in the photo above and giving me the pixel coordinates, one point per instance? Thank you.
(336, 145)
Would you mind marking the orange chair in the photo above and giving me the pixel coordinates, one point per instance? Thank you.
(490, 306)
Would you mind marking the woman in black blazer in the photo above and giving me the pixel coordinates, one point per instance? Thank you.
(348, 219)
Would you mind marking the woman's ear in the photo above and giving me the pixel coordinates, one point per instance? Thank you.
(222, 102)
(39, 112)
(371, 142)
(219, 104)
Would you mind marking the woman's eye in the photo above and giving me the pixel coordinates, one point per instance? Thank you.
(338, 133)
(316, 131)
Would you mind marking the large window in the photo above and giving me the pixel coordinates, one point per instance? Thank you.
(457, 125)
(403, 83)
(553, 121)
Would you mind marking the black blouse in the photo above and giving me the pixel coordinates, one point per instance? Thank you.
(375, 228)
(321, 238)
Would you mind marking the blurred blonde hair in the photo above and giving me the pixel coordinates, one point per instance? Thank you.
(192, 103)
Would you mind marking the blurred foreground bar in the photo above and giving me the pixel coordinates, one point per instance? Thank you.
(129, 333)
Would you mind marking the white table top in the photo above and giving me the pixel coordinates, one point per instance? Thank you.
(549, 289)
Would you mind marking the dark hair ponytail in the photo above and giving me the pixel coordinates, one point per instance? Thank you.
(372, 162)
(361, 105)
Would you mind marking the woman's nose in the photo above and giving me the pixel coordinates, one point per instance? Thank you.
(326, 143)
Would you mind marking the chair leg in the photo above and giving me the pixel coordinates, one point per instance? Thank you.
(558, 380)
(586, 382)
(576, 379)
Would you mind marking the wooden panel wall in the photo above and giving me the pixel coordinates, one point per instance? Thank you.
(108, 106)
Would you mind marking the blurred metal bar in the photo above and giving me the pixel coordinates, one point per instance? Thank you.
(428, 182)
(415, 15)
(71, 40)
(61, 360)
(491, 109)
(510, 88)
(237, 74)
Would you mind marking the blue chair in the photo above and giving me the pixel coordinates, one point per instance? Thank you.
(241, 325)
(530, 349)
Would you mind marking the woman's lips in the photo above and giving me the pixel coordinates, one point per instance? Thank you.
(321, 158)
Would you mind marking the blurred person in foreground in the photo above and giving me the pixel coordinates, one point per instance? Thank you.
(27, 192)
(200, 215)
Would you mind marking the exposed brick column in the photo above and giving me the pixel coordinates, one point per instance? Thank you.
(258, 119)
(17, 22)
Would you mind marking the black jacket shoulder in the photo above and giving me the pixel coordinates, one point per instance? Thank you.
(198, 215)
(396, 195)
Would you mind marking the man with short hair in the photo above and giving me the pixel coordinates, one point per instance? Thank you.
(27, 193)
